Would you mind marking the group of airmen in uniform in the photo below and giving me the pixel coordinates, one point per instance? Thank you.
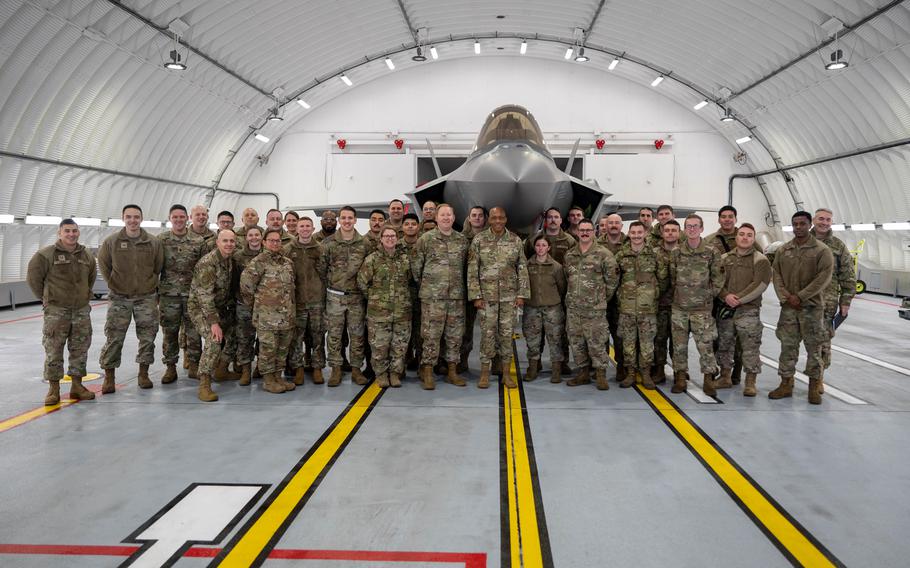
(407, 294)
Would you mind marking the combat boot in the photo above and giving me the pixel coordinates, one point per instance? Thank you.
(815, 397)
(205, 393)
(426, 377)
(452, 376)
(288, 385)
(621, 374)
(244, 375)
(660, 374)
(646, 381)
(79, 392)
(170, 375)
(679, 382)
(108, 386)
(144, 381)
(335, 377)
(53, 393)
(749, 388)
(394, 380)
(821, 381)
(629, 379)
(708, 385)
(223, 374)
(601, 376)
(556, 372)
(193, 370)
(382, 379)
(358, 377)
(783, 390)
(726, 379)
(484, 381)
(531, 373)
(507, 378)
(298, 376)
(270, 383)
(582, 377)
(317, 377)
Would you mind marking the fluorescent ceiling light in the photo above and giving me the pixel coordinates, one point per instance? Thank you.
(87, 221)
(613, 63)
(150, 224)
(303, 103)
(743, 140)
(433, 53)
(390, 64)
(569, 53)
(896, 226)
(42, 220)
(261, 138)
(657, 81)
(115, 223)
(862, 227)
(701, 105)
(476, 47)
(787, 228)
(7, 219)
(839, 227)
(524, 48)
(345, 80)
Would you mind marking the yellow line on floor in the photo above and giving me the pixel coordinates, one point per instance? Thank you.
(248, 548)
(791, 538)
(20, 419)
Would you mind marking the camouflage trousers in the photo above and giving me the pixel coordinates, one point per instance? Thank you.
(549, 320)
(213, 350)
(637, 333)
(615, 336)
(467, 338)
(415, 344)
(244, 336)
(441, 319)
(497, 320)
(389, 344)
(663, 336)
(589, 335)
(310, 328)
(830, 311)
(806, 326)
(173, 315)
(743, 329)
(343, 312)
(703, 329)
(70, 328)
(145, 311)
(274, 345)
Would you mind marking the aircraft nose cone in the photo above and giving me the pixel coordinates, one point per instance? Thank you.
(515, 163)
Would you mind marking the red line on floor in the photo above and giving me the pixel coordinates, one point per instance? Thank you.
(36, 316)
(897, 305)
(467, 559)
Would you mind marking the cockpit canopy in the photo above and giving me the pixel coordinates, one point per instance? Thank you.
(510, 122)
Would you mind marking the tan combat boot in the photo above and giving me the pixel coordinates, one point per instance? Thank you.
(170, 374)
(601, 376)
(79, 392)
(298, 376)
(193, 370)
(660, 374)
(223, 374)
(53, 393)
(426, 377)
(452, 376)
(382, 379)
(144, 381)
(205, 393)
(244, 375)
(679, 382)
(531, 373)
(357, 376)
(108, 386)
(507, 379)
(749, 388)
(582, 377)
(394, 380)
(556, 372)
(783, 390)
(335, 377)
(815, 397)
(629, 378)
(484, 381)
(726, 379)
(288, 385)
(646, 381)
(270, 383)
(317, 377)
(708, 384)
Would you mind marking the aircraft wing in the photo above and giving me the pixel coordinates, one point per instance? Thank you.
(588, 196)
(431, 191)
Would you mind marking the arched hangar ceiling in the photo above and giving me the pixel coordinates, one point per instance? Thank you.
(83, 83)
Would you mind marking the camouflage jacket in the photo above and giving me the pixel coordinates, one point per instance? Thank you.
(559, 245)
(497, 268)
(372, 242)
(724, 243)
(613, 248)
(62, 278)
(746, 275)
(547, 280)
(592, 278)
(207, 237)
(267, 284)
(212, 291)
(666, 298)
(342, 262)
(695, 276)
(470, 232)
(385, 279)
(181, 253)
(843, 283)
(131, 266)
(803, 270)
(309, 270)
(243, 257)
(321, 236)
(644, 277)
(438, 265)
(655, 235)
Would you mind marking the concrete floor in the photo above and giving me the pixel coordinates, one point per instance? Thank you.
(422, 473)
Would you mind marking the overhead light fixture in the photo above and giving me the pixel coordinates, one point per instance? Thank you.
(174, 62)
(476, 47)
(862, 227)
(87, 221)
(115, 223)
(569, 53)
(613, 63)
(261, 137)
(701, 105)
(7, 219)
(896, 226)
(150, 224)
(524, 47)
(42, 220)
(838, 227)
(274, 116)
(727, 117)
(345, 80)
(657, 81)
(837, 61)
(743, 140)
(303, 103)
(391, 64)
(433, 53)
(581, 57)
(418, 57)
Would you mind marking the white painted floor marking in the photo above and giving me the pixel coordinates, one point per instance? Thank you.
(829, 390)
(693, 389)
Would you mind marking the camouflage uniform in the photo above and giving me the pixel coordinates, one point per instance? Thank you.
(244, 333)
(841, 290)
(414, 343)
(662, 343)
(498, 275)
(373, 243)
(470, 312)
(543, 312)
(63, 281)
(181, 253)
(267, 284)
(208, 238)
(655, 235)
(696, 279)
(211, 301)
(644, 276)
(805, 271)
(613, 306)
(559, 244)
(320, 236)
(385, 280)
(747, 276)
(592, 278)
(344, 307)
(131, 268)
(309, 271)
(438, 265)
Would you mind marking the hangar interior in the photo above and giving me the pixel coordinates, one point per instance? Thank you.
(772, 106)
